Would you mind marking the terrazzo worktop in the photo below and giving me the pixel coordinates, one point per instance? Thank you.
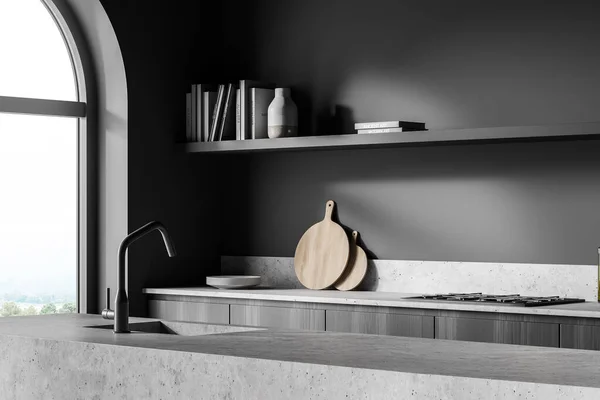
(411, 276)
(57, 356)
(382, 299)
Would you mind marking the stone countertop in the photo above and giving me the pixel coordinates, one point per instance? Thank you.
(381, 299)
(511, 363)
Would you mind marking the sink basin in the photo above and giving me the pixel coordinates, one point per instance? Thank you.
(181, 328)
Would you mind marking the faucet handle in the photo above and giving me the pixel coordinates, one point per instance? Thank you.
(107, 313)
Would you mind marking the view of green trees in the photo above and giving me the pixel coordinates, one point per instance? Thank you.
(15, 303)
(19, 297)
(11, 309)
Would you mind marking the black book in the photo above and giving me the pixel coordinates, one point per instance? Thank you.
(209, 101)
(227, 125)
(217, 113)
(407, 125)
(194, 106)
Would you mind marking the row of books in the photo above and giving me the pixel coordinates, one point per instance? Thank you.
(228, 111)
(388, 127)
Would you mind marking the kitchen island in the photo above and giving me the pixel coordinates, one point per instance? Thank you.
(60, 356)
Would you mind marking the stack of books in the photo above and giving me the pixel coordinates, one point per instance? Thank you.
(229, 111)
(388, 127)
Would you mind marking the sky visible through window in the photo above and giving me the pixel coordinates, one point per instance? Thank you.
(38, 167)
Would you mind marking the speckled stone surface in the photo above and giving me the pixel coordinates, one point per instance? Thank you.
(57, 357)
(44, 369)
(183, 328)
(276, 272)
(440, 277)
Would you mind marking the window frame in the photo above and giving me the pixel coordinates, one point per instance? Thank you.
(84, 110)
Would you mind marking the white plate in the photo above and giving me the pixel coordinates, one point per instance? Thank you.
(233, 281)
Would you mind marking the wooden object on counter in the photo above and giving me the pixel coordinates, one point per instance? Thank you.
(322, 253)
(357, 267)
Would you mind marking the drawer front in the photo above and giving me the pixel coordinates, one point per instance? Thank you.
(583, 337)
(189, 312)
(278, 317)
(495, 331)
(379, 323)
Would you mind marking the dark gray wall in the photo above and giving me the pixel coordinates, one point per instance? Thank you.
(163, 54)
(450, 64)
(457, 64)
(511, 203)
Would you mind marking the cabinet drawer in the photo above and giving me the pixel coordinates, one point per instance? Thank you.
(584, 337)
(379, 323)
(278, 317)
(495, 331)
(189, 311)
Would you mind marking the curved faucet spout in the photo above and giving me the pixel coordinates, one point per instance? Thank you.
(143, 231)
(121, 313)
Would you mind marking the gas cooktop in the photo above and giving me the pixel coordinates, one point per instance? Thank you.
(508, 299)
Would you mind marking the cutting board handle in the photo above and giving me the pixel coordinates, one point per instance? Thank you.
(354, 237)
(329, 209)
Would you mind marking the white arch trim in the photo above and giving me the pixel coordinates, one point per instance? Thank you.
(102, 84)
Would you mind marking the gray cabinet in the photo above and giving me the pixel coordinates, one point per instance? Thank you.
(585, 337)
(379, 323)
(497, 331)
(189, 311)
(533, 330)
(278, 317)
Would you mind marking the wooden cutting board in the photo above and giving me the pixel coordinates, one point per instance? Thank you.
(357, 267)
(322, 253)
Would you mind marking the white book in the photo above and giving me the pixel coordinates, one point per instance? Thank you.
(245, 86)
(260, 99)
(188, 117)
(198, 122)
(380, 130)
(377, 125)
(238, 115)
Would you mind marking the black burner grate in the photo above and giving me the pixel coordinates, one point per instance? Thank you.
(516, 299)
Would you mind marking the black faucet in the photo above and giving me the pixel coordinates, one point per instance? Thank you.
(121, 311)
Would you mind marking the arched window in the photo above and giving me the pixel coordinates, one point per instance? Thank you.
(41, 120)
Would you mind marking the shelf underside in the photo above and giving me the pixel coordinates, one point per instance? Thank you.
(589, 130)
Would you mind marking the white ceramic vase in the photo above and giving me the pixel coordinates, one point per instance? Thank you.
(282, 115)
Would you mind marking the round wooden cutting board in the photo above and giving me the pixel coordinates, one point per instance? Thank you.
(357, 267)
(322, 253)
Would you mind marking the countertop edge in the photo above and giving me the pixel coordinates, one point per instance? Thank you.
(379, 383)
(377, 299)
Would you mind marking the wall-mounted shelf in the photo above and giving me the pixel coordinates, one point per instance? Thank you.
(589, 130)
